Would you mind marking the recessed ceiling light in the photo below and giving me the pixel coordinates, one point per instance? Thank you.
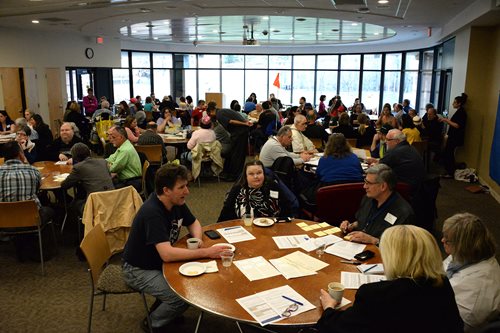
(215, 31)
(360, 39)
(155, 38)
(319, 33)
(376, 33)
(383, 1)
(291, 38)
(35, 21)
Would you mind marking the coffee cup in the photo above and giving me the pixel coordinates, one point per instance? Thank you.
(336, 291)
(193, 243)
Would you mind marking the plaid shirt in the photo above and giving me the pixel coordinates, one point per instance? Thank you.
(19, 182)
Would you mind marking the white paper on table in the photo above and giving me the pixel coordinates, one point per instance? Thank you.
(268, 306)
(352, 280)
(235, 234)
(61, 177)
(290, 242)
(297, 264)
(313, 161)
(61, 163)
(256, 268)
(310, 244)
(343, 303)
(371, 268)
(345, 249)
(360, 153)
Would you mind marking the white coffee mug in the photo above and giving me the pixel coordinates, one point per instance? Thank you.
(193, 243)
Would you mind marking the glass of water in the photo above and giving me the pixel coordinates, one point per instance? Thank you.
(227, 258)
(320, 247)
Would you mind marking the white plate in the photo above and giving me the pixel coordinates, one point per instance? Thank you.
(192, 268)
(231, 246)
(263, 222)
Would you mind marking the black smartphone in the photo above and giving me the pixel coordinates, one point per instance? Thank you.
(212, 234)
(365, 255)
(282, 219)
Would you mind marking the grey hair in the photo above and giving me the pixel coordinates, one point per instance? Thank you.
(298, 118)
(121, 131)
(384, 175)
(21, 122)
(104, 104)
(399, 135)
(285, 130)
(79, 152)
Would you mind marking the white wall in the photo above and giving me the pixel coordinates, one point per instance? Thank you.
(460, 59)
(41, 50)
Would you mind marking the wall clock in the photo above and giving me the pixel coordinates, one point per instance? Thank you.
(89, 53)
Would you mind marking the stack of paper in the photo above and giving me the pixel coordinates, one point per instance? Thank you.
(256, 268)
(268, 306)
(290, 242)
(298, 264)
(355, 280)
(235, 234)
(371, 269)
(344, 249)
(312, 244)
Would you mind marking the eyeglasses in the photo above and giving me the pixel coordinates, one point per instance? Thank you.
(291, 308)
(367, 182)
(389, 139)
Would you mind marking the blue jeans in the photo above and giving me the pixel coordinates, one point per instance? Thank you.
(153, 283)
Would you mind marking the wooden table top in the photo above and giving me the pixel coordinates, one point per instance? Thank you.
(49, 169)
(217, 292)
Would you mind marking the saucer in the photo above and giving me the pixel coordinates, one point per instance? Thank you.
(192, 268)
(231, 246)
(263, 222)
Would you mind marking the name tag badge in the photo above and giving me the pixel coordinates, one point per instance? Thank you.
(274, 194)
(390, 218)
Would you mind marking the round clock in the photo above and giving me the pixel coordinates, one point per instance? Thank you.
(89, 53)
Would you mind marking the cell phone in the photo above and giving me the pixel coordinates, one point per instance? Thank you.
(282, 219)
(212, 234)
(365, 255)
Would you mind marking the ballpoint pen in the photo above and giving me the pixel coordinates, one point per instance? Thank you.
(366, 270)
(236, 227)
(352, 262)
(292, 300)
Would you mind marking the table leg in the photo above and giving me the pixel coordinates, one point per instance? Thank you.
(200, 317)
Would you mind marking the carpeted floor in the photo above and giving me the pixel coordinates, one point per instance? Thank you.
(58, 302)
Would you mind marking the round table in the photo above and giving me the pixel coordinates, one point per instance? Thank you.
(49, 169)
(217, 292)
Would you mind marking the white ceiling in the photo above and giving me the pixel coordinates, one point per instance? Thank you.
(190, 21)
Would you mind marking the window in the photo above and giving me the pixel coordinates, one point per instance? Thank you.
(208, 61)
(280, 61)
(393, 61)
(162, 83)
(328, 62)
(372, 61)
(232, 61)
(350, 61)
(391, 87)
(284, 93)
(349, 86)
(190, 83)
(121, 85)
(232, 86)
(140, 60)
(303, 86)
(162, 60)
(370, 94)
(410, 87)
(124, 59)
(141, 82)
(255, 61)
(208, 81)
(256, 82)
(303, 62)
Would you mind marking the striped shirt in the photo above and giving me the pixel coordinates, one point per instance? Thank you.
(19, 182)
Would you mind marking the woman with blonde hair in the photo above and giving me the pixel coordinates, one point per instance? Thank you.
(472, 268)
(417, 296)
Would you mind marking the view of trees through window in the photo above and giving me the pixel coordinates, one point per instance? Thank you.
(375, 78)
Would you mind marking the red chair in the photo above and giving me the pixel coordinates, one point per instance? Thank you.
(336, 203)
(405, 191)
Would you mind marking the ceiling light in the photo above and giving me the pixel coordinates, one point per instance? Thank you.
(265, 18)
(82, 4)
(215, 31)
(383, 1)
(291, 38)
(155, 38)
(35, 21)
(354, 24)
(360, 39)
(376, 33)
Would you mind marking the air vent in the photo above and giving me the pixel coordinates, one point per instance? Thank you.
(363, 10)
(360, 3)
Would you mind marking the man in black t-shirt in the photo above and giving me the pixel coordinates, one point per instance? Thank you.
(154, 231)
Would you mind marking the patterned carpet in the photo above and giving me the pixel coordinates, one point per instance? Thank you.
(58, 302)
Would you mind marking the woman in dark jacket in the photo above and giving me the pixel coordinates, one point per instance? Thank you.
(417, 296)
(456, 134)
(255, 194)
(45, 137)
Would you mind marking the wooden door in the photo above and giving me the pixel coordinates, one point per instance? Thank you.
(11, 90)
(54, 96)
(31, 89)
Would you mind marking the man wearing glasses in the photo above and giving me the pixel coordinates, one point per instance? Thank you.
(381, 208)
(300, 142)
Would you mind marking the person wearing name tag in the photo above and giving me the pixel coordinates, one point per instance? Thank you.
(254, 193)
(381, 208)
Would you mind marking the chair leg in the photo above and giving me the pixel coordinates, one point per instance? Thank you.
(41, 249)
(91, 308)
(147, 312)
(104, 302)
(54, 235)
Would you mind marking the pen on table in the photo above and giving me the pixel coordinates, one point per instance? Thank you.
(292, 300)
(350, 262)
(366, 270)
(232, 228)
